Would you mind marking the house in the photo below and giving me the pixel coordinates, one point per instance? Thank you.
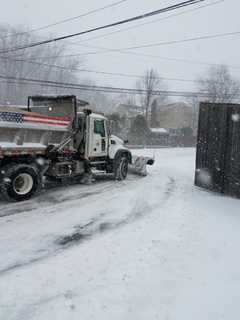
(175, 116)
(179, 120)
(159, 136)
(129, 110)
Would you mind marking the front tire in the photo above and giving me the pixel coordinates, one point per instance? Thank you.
(121, 169)
(20, 182)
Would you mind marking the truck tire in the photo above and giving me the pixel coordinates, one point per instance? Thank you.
(20, 182)
(121, 168)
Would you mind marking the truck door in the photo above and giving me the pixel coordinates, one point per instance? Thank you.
(98, 137)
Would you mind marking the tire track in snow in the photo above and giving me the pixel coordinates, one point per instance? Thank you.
(46, 200)
(55, 196)
(94, 227)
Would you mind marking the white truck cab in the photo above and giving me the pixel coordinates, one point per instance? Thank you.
(97, 135)
(100, 147)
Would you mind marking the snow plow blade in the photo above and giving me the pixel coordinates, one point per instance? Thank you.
(139, 165)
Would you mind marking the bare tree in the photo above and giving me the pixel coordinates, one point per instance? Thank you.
(40, 63)
(150, 82)
(154, 123)
(219, 85)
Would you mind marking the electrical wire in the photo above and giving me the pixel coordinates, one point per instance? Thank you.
(107, 89)
(68, 19)
(213, 36)
(125, 50)
(118, 74)
(107, 26)
(146, 23)
(128, 50)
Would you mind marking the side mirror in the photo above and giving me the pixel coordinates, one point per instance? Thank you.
(126, 141)
(110, 125)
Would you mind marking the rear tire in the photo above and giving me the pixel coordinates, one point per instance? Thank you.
(20, 182)
(121, 168)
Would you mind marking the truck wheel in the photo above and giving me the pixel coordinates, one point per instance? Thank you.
(121, 168)
(20, 182)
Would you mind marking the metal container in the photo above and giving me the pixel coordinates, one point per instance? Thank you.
(218, 148)
(48, 122)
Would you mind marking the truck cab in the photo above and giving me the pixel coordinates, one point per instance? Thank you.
(60, 139)
(97, 135)
(96, 142)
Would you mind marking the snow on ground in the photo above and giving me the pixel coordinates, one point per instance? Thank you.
(146, 248)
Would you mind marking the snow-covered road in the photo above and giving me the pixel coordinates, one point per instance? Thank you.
(146, 248)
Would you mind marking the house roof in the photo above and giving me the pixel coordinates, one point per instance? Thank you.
(130, 107)
(159, 130)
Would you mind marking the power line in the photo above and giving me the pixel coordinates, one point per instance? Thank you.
(151, 45)
(118, 74)
(125, 49)
(181, 60)
(121, 22)
(189, 61)
(218, 35)
(76, 54)
(69, 19)
(127, 52)
(24, 81)
(108, 89)
(84, 70)
(112, 91)
(146, 23)
(171, 59)
(129, 28)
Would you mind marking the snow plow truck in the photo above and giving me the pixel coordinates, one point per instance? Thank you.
(58, 138)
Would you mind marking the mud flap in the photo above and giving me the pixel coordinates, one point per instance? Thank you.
(139, 165)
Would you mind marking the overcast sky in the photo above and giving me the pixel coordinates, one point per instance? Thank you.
(218, 18)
